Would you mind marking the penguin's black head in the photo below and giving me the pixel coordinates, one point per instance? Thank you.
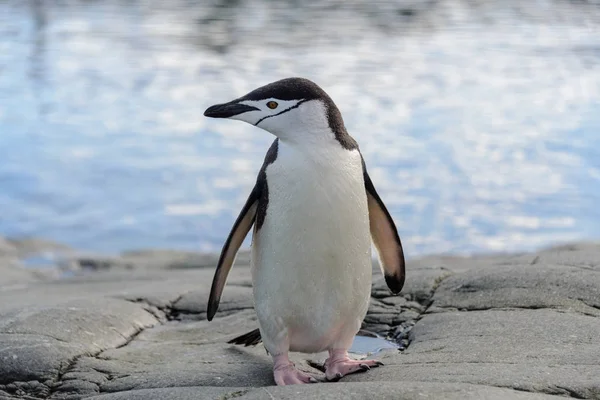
(291, 108)
(267, 98)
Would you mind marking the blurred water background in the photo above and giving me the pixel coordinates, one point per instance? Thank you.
(479, 120)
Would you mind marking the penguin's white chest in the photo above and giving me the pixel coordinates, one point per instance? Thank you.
(312, 255)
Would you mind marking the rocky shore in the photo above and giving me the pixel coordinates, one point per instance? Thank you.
(522, 326)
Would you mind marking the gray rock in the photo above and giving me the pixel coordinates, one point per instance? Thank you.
(584, 255)
(498, 326)
(162, 286)
(100, 323)
(364, 390)
(235, 298)
(12, 272)
(42, 343)
(173, 259)
(26, 357)
(74, 262)
(14, 276)
(7, 249)
(506, 336)
(197, 351)
(381, 313)
(573, 247)
(30, 246)
(419, 288)
(532, 350)
(80, 263)
(176, 393)
(523, 286)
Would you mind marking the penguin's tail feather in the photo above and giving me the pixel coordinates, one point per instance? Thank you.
(251, 338)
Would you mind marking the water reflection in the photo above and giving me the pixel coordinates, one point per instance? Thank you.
(38, 52)
(478, 120)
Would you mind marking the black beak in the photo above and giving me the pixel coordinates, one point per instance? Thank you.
(227, 110)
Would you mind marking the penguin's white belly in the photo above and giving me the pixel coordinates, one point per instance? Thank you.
(312, 256)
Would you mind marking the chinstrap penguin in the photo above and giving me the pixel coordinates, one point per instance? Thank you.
(315, 211)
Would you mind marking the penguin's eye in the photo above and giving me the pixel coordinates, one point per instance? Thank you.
(272, 105)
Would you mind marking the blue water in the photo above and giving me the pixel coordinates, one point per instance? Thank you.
(365, 345)
(480, 124)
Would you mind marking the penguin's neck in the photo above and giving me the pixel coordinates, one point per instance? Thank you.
(306, 128)
(322, 154)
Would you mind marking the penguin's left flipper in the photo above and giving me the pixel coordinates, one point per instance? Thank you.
(385, 237)
(238, 233)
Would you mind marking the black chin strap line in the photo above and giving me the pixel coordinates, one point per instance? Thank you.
(281, 112)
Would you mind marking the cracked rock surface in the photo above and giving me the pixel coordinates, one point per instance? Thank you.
(522, 326)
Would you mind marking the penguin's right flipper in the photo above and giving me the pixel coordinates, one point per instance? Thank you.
(254, 211)
(238, 233)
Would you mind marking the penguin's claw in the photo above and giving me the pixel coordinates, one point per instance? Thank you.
(292, 376)
(285, 373)
(339, 365)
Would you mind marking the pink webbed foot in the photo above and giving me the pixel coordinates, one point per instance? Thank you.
(339, 364)
(285, 372)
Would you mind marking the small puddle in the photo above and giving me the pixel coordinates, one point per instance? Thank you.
(371, 344)
(40, 261)
(47, 261)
